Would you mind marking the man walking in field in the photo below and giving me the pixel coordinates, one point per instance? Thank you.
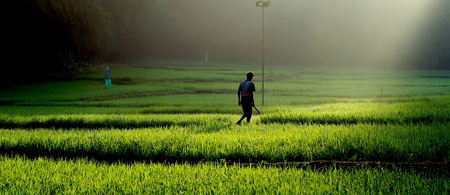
(108, 77)
(245, 97)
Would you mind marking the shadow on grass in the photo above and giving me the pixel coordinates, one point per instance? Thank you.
(428, 169)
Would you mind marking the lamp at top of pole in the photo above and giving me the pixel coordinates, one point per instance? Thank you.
(262, 4)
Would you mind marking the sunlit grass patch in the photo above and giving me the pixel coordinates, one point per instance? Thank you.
(353, 112)
(247, 143)
(112, 120)
(43, 176)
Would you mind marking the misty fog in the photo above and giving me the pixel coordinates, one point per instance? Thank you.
(300, 32)
(52, 36)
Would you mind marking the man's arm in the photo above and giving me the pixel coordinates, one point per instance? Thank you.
(239, 97)
(253, 89)
(253, 102)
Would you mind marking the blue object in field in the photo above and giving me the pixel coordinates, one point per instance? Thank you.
(206, 57)
(108, 83)
(108, 77)
(108, 73)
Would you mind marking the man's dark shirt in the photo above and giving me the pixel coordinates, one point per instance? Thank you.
(247, 87)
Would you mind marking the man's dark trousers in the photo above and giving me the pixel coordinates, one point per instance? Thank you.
(247, 107)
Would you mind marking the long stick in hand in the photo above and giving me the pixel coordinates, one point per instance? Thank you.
(256, 109)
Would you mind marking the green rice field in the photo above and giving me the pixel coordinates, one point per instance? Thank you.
(169, 128)
(43, 176)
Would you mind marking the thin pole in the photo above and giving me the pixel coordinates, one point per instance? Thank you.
(262, 56)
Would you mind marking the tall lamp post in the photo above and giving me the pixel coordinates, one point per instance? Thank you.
(262, 4)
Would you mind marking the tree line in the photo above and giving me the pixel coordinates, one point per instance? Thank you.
(44, 37)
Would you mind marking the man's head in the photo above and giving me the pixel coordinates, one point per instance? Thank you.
(249, 76)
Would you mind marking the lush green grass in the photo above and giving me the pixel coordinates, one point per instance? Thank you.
(250, 143)
(420, 111)
(65, 110)
(41, 176)
(388, 111)
(172, 111)
(117, 121)
(213, 87)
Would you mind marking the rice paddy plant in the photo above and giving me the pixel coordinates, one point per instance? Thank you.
(19, 175)
(250, 143)
(139, 120)
(58, 110)
(116, 121)
(430, 111)
(193, 110)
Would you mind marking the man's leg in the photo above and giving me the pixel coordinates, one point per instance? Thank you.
(243, 116)
(106, 83)
(248, 112)
(109, 83)
(240, 120)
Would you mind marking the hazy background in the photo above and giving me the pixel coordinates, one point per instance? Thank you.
(307, 32)
(44, 37)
